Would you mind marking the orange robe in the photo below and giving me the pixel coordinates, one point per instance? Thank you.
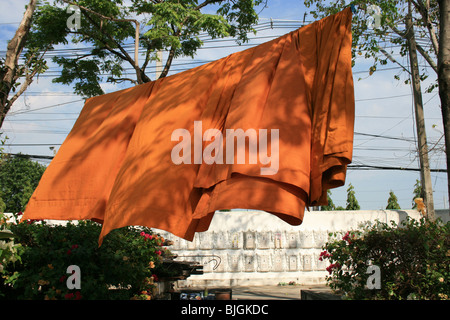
(115, 165)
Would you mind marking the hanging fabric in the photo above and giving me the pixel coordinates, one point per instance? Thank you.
(159, 154)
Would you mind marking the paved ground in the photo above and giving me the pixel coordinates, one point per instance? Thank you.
(287, 292)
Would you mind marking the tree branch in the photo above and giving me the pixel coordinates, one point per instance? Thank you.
(427, 57)
(26, 84)
(390, 57)
(125, 54)
(168, 63)
(177, 34)
(23, 87)
(204, 4)
(134, 63)
(13, 51)
(147, 56)
(119, 80)
(424, 10)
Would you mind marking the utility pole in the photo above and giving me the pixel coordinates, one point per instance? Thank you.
(444, 76)
(420, 120)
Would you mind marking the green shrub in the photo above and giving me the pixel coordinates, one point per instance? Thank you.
(413, 260)
(19, 176)
(124, 267)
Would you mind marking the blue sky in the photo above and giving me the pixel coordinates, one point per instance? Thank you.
(384, 106)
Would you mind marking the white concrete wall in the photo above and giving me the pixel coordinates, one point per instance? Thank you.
(244, 247)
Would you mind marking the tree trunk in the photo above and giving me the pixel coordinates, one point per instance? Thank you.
(420, 120)
(8, 75)
(444, 77)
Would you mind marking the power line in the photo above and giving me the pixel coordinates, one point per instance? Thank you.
(33, 120)
(370, 167)
(350, 167)
(381, 98)
(47, 107)
(385, 137)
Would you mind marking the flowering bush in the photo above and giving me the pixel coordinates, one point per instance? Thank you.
(413, 260)
(9, 251)
(123, 267)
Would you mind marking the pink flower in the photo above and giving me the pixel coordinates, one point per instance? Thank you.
(74, 246)
(30, 221)
(146, 235)
(333, 266)
(158, 252)
(69, 252)
(68, 296)
(329, 269)
(324, 254)
(346, 237)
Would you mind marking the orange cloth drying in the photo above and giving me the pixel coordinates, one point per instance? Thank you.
(116, 164)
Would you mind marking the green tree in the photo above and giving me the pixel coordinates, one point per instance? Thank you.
(352, 203)
(330, 206)
(105, 28)
(392, 202)
(417, 193)
(19, 176)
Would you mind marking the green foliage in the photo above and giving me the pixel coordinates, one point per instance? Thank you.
(417, 193)
(392, 202)
(330, 206)
(19, 176)
(352, 203)
(10, 252)
(414, 260)
(173, 26)
(124, 266)
(2, 157)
